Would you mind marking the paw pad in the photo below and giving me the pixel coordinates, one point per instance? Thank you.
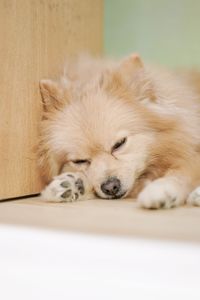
(66, 194)
(80, 186)
(66, 187)
(65, 184)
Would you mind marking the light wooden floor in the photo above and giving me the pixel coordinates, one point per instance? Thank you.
(114, 217)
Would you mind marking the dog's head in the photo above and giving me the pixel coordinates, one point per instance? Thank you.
(102, 128)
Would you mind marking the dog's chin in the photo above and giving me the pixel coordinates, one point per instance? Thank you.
(106, 197)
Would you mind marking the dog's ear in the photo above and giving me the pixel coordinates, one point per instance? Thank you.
(130, 66)
(54, 94)
(133, 72)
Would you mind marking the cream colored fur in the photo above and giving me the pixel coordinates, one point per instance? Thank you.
(98, 103)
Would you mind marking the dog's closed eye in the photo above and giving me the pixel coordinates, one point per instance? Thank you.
(81, 161)
(119, 144)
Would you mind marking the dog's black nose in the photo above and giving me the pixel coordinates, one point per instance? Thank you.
(111, 186)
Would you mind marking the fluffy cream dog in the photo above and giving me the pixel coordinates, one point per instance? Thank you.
(121, 129)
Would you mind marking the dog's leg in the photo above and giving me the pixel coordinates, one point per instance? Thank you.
(165, 192)
(194, 197)
(67, 187)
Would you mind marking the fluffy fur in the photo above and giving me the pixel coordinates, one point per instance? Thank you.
(98, 103)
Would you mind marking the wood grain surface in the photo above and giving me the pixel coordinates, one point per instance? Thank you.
(36, 37)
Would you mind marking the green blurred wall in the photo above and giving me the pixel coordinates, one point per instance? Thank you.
(166, 32)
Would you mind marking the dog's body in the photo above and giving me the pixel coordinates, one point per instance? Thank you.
(121, 130)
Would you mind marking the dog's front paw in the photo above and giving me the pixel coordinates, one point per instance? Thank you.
(194, 197)
(67, 187)
(160, 193)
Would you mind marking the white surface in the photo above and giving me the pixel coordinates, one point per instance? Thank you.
(47, 265)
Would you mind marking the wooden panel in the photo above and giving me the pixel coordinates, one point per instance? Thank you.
(35, 39)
